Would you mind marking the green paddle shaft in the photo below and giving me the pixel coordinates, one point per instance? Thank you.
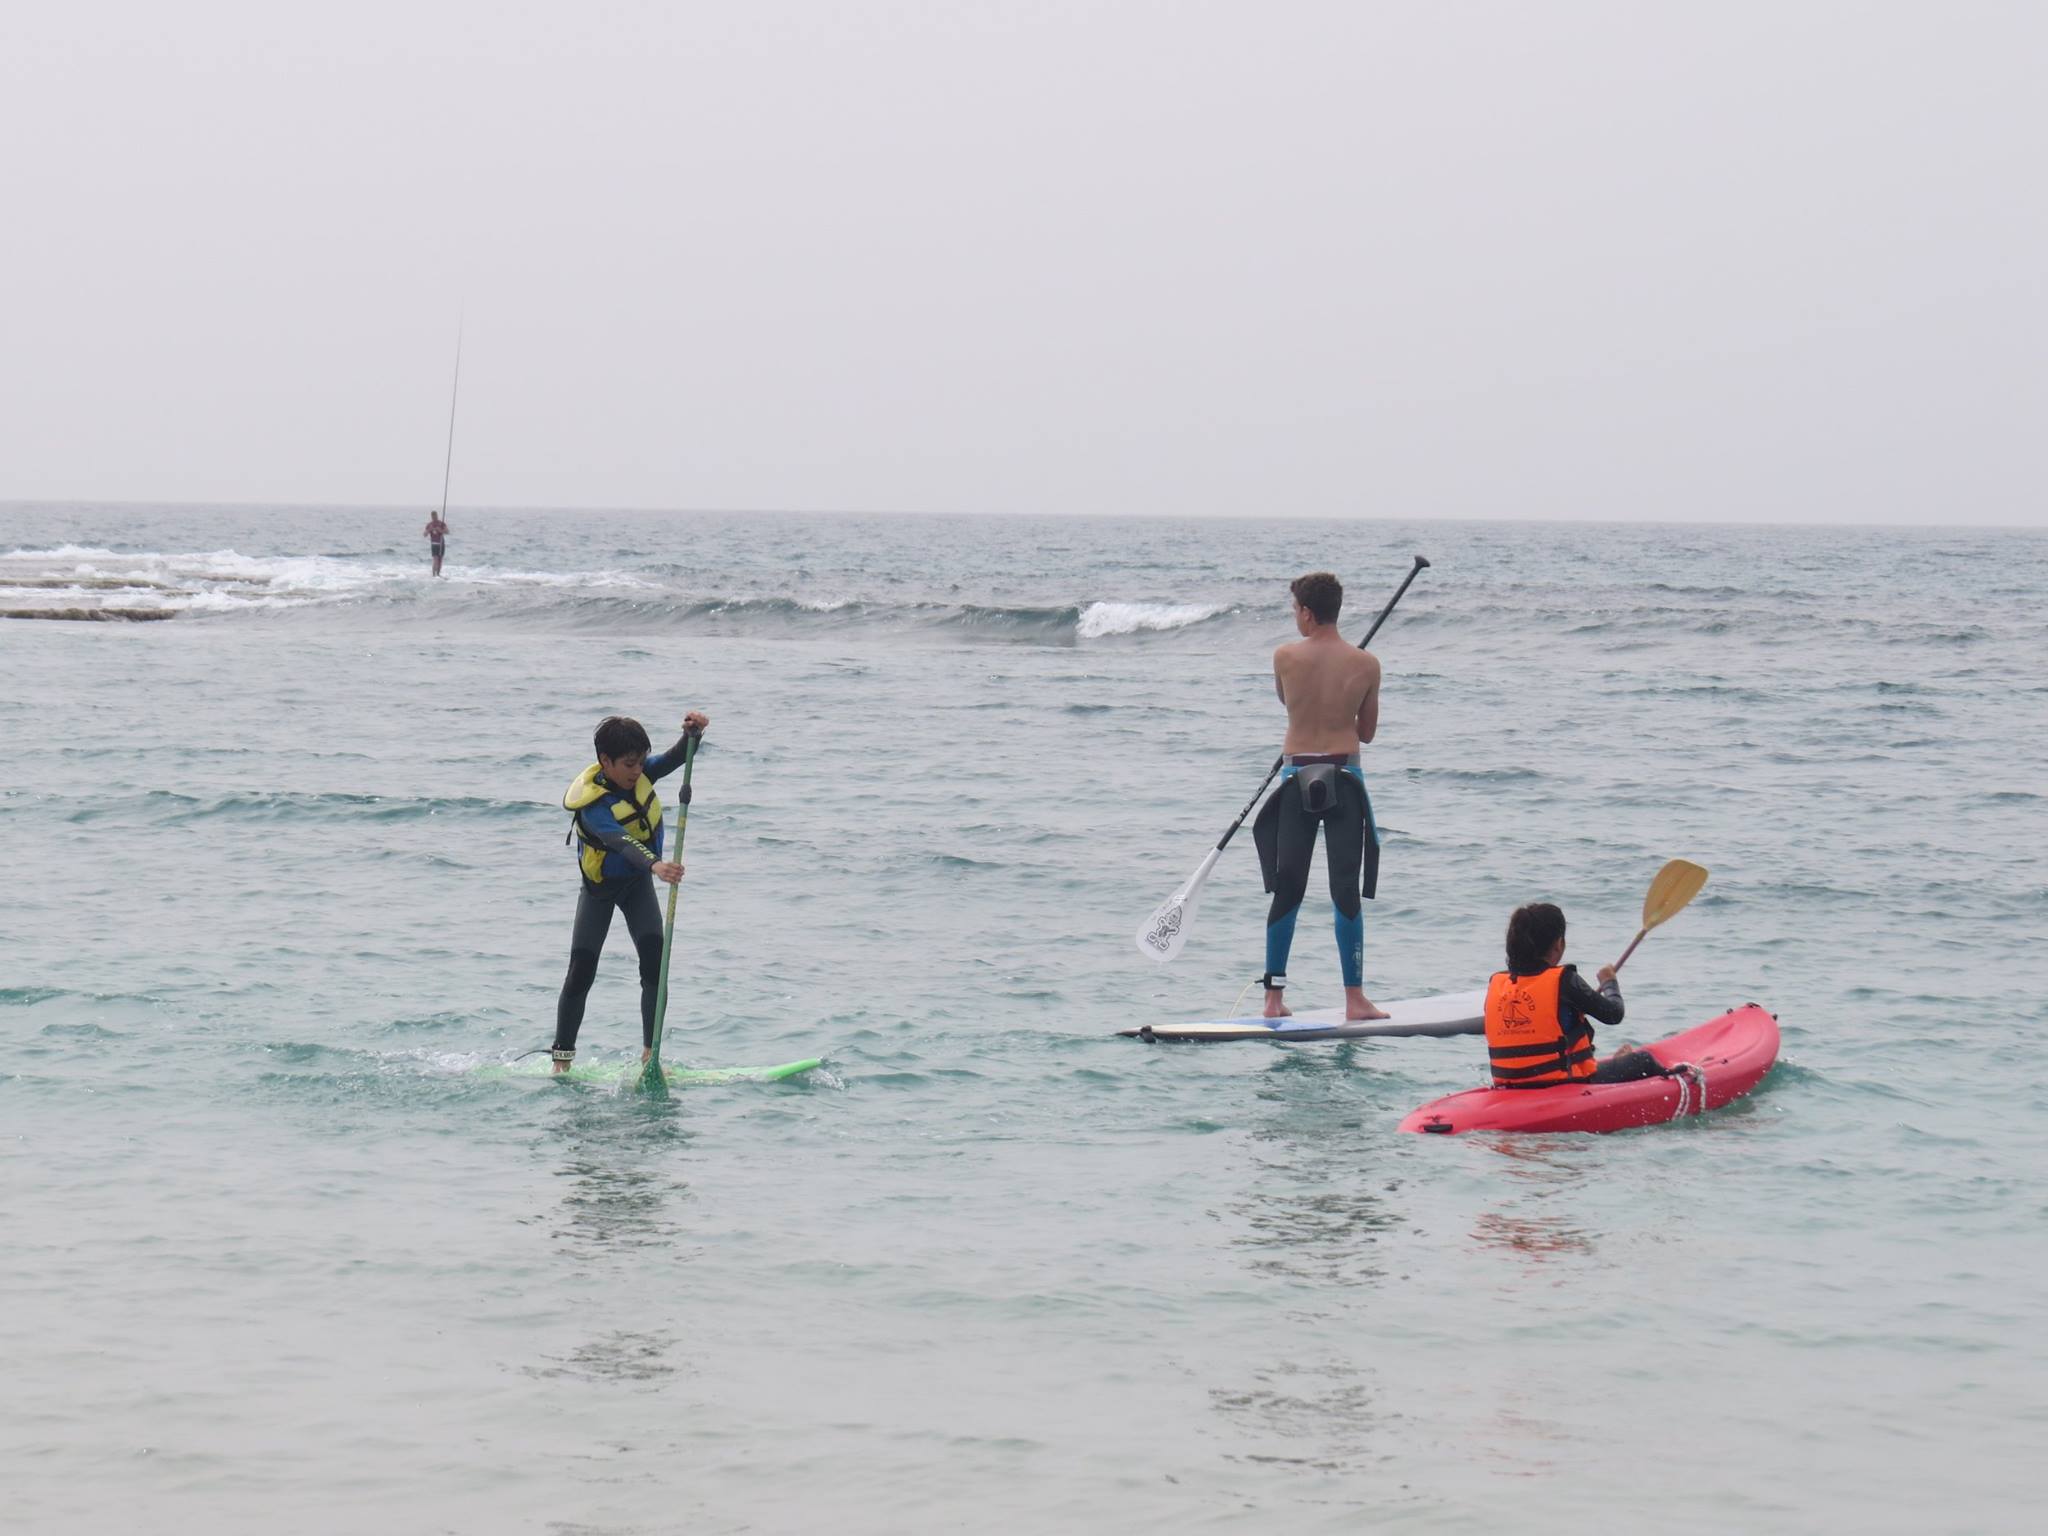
(668, 927)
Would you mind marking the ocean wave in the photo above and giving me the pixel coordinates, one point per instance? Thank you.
(28, 997)
(59, 552)
(80, 581)
(226, 581)
(1102, 619)
(262, 805)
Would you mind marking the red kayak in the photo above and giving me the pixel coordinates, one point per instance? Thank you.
(1729, 1056)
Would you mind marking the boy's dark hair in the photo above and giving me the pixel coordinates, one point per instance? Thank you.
(617, 737)
(1320, 593)
(1531, 932)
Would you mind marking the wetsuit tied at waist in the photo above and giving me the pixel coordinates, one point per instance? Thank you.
(1326, 790)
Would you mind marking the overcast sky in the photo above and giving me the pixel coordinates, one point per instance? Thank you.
(1629, 260)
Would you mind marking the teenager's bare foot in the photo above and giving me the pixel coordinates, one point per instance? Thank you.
(1276, 1006)
(1358, 1007)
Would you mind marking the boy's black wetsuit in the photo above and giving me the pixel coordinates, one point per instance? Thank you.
(627, 888)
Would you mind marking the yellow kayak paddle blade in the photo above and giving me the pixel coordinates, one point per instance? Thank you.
(1676, 884)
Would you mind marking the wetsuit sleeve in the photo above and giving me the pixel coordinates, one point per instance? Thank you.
(601, 824)
(1603, 1004)
(662, 764)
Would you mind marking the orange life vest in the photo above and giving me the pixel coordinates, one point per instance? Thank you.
(1526, 1041)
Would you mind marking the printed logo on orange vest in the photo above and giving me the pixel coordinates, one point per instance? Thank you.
(1514, 1012)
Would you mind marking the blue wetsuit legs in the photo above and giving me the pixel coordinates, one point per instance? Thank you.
(1344, 834)
(1351, 942)
(1280, 937)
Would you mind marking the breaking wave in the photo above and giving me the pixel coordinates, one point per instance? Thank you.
(73, 581)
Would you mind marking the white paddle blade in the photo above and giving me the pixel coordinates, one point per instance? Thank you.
(1161, 935)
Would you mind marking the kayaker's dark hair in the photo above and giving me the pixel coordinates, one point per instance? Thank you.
(1320, 593)
(619, 737)
(1531, 932)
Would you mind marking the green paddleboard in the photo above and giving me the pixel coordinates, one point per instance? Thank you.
(628, 1071)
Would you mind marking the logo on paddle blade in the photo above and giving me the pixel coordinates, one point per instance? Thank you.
(1164, 927)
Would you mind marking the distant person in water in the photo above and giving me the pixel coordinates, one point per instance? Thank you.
(437, 534)
(1540, 1013)
(1332, 692)
(618, 829)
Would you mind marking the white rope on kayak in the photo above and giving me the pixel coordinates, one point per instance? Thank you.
(1692, 1089)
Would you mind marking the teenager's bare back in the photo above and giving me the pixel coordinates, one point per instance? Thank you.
(1332, 693)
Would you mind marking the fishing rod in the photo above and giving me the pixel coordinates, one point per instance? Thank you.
(454, 393)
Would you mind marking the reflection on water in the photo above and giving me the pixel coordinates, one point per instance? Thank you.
(1314, 1212)
(1325, 1410)
(1538, 1237)
(1534, 1169)
(616, 1199)
(1525, 1436)
(610, 1357)
(617, 1203)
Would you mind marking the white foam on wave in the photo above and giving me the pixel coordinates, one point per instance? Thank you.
(226, 580)
(776, 602)
(1100, 620)
(61, 552)
(480, 576)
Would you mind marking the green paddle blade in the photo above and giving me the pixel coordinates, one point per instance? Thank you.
(700, 1077)
(1676, 884)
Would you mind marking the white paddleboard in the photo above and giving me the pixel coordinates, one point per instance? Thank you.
(1448, 1013)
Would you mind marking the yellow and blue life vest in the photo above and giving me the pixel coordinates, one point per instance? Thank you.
(638, 812)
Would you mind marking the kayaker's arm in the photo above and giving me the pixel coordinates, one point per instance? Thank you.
(1602, 1003)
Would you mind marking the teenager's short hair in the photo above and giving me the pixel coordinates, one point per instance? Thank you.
(1320, 593)
(1531, 933)
(618, 736)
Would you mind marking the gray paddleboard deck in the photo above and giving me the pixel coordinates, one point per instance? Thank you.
(1449, 1013)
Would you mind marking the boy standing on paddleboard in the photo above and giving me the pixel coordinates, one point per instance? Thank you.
(1332, 692)
(619, 829)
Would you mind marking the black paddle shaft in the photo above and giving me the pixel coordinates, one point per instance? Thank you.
(1414, 571)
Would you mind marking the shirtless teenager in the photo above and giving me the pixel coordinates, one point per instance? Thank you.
(1332, 693)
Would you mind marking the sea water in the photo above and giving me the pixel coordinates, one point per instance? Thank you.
(284, 872)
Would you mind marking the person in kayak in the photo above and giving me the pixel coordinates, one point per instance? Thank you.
(1540, 1012)
(437, 538)
(618, 829)
(1331, 690)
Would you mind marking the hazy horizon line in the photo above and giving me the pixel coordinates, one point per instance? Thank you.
(412, 510)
